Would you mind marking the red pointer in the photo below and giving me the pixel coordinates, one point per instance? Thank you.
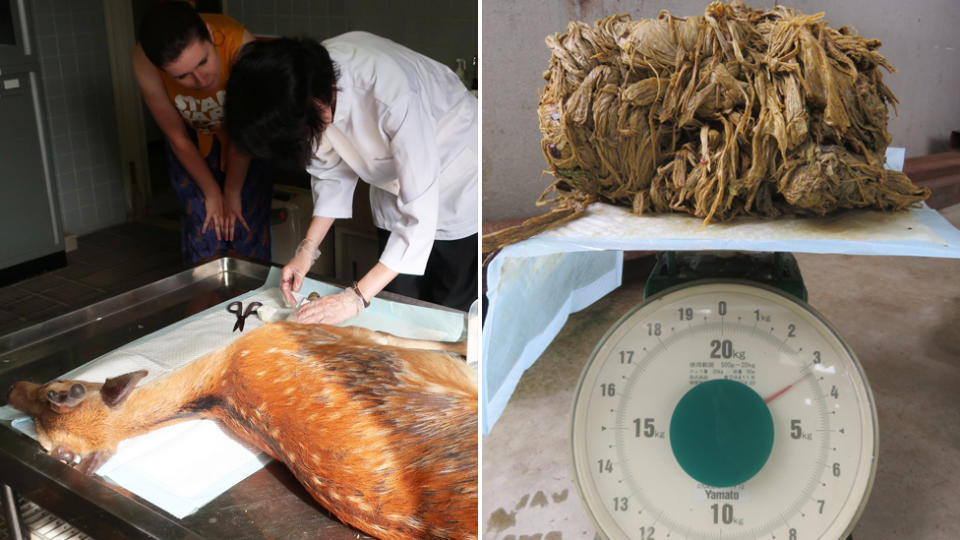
(783, 390)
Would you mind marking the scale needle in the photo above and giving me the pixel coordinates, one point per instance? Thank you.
(780, 392)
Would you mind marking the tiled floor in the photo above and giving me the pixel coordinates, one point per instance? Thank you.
(106, 263)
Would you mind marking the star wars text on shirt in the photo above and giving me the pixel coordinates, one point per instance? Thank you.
(205, 115)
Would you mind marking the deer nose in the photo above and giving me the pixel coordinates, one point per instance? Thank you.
(64, 455)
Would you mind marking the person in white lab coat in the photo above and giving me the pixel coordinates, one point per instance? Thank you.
(363, 107)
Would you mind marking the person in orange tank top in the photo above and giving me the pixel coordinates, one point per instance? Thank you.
(182, 64)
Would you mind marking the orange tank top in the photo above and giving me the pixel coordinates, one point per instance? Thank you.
(203, 109)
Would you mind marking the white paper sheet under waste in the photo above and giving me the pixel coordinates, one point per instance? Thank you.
(534, 285)
(182, 467)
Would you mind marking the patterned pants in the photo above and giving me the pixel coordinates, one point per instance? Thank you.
(255, 199)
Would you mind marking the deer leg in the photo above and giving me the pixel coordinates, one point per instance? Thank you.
(383, 338)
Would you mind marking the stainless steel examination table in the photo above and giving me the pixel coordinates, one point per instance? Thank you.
(268, 504)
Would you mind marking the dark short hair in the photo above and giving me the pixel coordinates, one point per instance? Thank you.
(269, 111)
(168, 28)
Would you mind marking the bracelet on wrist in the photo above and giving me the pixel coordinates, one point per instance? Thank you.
(356, 290)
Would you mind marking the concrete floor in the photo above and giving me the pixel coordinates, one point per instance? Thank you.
(899, 314)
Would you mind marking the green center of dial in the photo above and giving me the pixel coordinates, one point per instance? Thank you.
(721, 433)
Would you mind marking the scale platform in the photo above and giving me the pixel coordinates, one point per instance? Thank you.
(919, 232)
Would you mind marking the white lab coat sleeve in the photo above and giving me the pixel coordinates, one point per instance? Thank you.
(414, 146)
(333, 183)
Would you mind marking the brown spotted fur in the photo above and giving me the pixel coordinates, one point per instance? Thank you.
(382, 435)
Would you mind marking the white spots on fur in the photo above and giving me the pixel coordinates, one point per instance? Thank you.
(275, 433)
(384, 466)
(261, 373)
(359, 503)
(244, 352)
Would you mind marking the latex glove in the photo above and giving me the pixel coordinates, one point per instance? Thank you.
(214, 214)
(293, 273)
(274, 314)
(232, 213)
(330, 309)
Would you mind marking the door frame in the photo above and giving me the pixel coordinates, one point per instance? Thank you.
(121, 43)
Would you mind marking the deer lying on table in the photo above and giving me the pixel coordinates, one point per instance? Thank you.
(381, 430)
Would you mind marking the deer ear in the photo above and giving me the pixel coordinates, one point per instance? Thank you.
(115, 390)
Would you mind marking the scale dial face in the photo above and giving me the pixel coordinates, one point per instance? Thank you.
(723, 410)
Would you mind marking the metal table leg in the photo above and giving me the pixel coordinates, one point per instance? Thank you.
(12, 512)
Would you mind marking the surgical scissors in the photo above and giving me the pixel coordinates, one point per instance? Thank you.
(237, 308)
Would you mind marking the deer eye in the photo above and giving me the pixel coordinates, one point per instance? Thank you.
(77, 391)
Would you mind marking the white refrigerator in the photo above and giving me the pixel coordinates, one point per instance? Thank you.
(31, 237)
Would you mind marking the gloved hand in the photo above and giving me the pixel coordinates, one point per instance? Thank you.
(293, 273)
(330, 309)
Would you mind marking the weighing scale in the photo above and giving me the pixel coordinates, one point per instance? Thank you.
(723, 406)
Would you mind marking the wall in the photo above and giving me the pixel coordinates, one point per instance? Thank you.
(75, 70)
(919, 38)
(441, 29)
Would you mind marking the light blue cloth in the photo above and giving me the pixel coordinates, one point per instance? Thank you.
(534, 285)
(531, 297)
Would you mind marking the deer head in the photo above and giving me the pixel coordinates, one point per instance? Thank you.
(75, 418)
